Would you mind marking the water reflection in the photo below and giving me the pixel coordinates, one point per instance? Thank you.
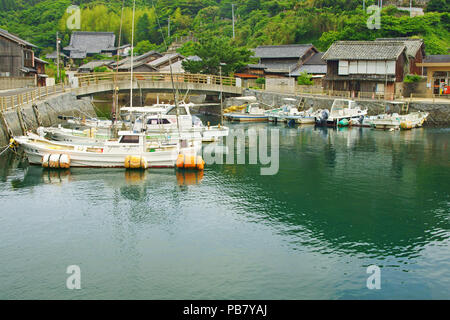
(350, 191)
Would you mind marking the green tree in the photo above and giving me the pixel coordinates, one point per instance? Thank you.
(438, 6)
(217, 51)
(143, 28)
(305, 79)
(144, 46)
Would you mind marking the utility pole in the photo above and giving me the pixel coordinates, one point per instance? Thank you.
(168, 28)
(232, 13)
(364, 5)
(57, 55)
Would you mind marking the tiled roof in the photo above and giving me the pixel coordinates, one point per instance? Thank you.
(310, 68)
(364, 50)
(412, 45)
(280, 65)
(316, 59)
(283, 51)
(148, 54)
(91, 42)
(77, 54)
(16, 39)
(156, 63)
(40, 60)
(441, 58)
(137, 58)
(94, 64)
(127, 65)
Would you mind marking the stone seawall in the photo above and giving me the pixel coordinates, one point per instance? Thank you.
(42, 113)
(439, 112)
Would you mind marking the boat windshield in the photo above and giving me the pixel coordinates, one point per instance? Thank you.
(173, 111)
(129, 139)
(340, 104)
(158, 121)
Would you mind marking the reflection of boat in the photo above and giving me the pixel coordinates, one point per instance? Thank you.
(187, 178)
(251, 113)
(342, 111)
(131, 150)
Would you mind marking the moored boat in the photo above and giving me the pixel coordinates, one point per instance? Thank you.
(251, 113)
(129, 147)
(341, 113)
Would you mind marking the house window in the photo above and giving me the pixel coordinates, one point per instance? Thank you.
(390, 67)
(362, 67)
(343, 67)
(353, 67)
(380, 88)
(371, 67)
(381, 67)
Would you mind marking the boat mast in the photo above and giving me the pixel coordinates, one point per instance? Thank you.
(132, 55)
(115, 93)
(170, 68)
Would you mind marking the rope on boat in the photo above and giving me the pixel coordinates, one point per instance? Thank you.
(12, 144)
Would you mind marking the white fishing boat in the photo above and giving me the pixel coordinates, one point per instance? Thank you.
(304, 117)
(173, 121)
(341, 113)
(130, 148)
(396, 121)
(251, 113)
(93, 137)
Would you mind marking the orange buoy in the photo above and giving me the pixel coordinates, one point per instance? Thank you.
(135, 162)
(56, 161)
(190, 162)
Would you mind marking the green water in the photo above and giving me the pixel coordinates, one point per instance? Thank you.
(342, 200)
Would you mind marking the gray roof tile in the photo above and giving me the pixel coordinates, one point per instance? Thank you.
(364, 50)
(15, 38)
(91, 42)
(440, 58)
(282, 51)
(412, 45)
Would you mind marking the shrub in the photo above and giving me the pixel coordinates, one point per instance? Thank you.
(304, 79)
(261, 81)
(411, 78)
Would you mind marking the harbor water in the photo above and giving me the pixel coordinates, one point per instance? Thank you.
(343, 200)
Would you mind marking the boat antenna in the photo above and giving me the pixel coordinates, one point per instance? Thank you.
(170, 68)
(115, 94)
(132, 55)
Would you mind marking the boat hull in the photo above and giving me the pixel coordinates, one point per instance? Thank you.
(160, 159)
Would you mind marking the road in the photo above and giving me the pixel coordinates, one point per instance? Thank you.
(13, 92)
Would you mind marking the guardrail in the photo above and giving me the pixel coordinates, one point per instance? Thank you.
(382, 96)
(84, 80)
(91, 78)
(32, 95)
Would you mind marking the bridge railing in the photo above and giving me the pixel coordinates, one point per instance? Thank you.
(30, 96)
(97, 78)
(84, 80)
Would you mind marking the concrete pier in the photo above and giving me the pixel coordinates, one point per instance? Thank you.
(439, 111)
(44, 113)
